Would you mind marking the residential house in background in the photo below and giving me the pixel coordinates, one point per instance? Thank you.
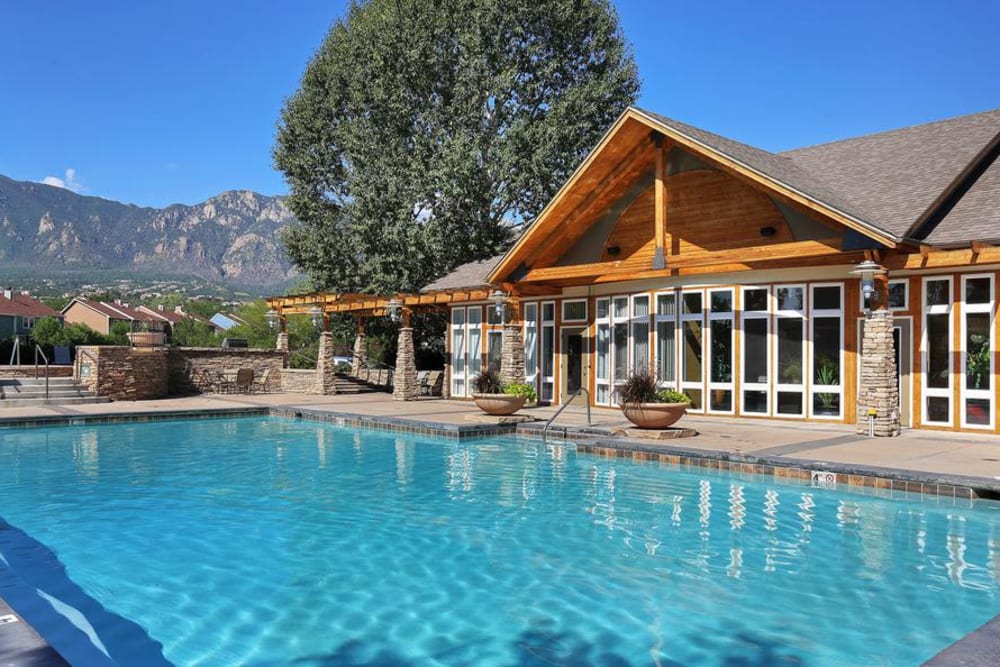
(18, 312)
(172, 317)
(101, 316)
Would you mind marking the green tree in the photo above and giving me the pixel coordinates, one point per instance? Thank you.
(48, 331)
(192, 333)
(424, 132)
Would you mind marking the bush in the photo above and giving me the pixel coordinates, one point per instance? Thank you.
(525, 390)
(641, 387)
(488, 382)
(671, 396)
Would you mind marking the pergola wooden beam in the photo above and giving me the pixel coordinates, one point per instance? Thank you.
(302, 304)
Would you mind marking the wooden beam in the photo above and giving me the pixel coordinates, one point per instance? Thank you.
(795, 250)
(660, 203)
(935, 259)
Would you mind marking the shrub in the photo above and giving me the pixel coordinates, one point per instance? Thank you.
(639, 387)
(525, 390)
(671, 396)
(488, 382)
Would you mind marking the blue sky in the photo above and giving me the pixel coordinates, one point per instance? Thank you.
(161, 102)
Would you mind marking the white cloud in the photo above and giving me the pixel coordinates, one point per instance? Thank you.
(69, 182)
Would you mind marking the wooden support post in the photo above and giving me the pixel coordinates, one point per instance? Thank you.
(660, 197)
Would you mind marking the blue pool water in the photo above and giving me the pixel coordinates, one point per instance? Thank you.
(282, 542)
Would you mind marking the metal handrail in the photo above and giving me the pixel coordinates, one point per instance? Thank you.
(563, 407)
(39, 351)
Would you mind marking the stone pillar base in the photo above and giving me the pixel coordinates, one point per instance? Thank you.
(326, 381)
(878, 395)
(404, 382)
(282, 343)
(360, 354)
(512, 354)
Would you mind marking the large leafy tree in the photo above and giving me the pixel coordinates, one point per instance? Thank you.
(425, 131)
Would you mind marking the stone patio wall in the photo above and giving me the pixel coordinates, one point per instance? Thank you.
(123, 373)
(189, 367)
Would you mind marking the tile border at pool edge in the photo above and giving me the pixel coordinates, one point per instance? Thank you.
(129, 417)
(979, 648)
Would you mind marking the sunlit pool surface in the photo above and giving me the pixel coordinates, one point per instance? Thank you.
(266, 541)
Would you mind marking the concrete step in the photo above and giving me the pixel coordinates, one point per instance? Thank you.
(36, 382)
(39, 392)
(37, 402)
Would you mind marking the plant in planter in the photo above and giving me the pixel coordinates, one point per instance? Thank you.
(493, 397)
(827, 374)
(646, 405)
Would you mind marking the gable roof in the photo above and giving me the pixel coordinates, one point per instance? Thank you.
(898, 176)
(114, 311)
(24, 305)
(469, 275)
(976, 216)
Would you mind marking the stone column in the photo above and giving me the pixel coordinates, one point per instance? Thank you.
(404, 382)
(360, 348)
(878, 393)
(512, 354)
(326, 382)
(282, 343)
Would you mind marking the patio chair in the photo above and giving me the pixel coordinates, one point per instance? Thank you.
(422, 380)
(244, 380)
(435, 380)
(227, 381)
(260, 383)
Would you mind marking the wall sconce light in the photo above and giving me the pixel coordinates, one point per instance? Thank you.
(768, 231)
(499, 301)
(272, 318)
(316, 313)
(613, 250)
(867, 270)
(394, 308)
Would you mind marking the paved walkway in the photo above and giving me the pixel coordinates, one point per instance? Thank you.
(922, 451)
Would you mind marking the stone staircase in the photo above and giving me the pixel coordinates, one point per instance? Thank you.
(348, 384)
(29, 392)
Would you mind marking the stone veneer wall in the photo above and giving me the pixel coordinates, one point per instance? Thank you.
(404, 382)
(187, 365)
(512, 354)
(123, 373)
(26, 371)
(878, 390)
(298, 380)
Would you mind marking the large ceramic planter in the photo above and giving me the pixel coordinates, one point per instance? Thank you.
(654, 415)
(499, 404)
(147, 338)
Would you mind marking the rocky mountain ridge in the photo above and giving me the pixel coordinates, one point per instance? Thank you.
(232, 238)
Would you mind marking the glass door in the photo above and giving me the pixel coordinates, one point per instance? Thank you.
(692, 353)
(756, 332)
(790, 329)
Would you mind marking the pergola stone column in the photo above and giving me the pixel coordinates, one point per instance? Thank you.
(404, 381)
(360, 347)
(282, 343)
(878, 394)
(512, 344)
(326, 380)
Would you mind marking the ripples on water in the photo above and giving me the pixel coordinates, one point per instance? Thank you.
(266, 541)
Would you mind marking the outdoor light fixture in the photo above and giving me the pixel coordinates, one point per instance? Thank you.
(316, 313)
(867, 270)
(499, 300)
(272, 318)
(394, 308)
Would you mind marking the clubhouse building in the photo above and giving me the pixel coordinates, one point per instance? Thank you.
(851, 282)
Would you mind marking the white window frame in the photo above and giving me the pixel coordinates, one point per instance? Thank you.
(639, 320)
(459, 384)
(777, 385)
(547, 324)
(906, 294)
(745, 384)
(586, 311)
(692, 317)
(928, 392)
(604, 382)
(707, 346)
(810, 354)
(672, 321)
(531, 325)
(475, 362)
(965, 393)
(616, 319)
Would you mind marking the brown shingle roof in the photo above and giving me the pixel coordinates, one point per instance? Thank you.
(23, 305)
(896, 176)
(117, 311)
(976, 216)
(469, 275)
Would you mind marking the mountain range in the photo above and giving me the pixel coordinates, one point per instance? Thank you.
(232, 238)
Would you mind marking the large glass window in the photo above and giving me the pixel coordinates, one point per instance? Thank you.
(692, 366)
(458, 352)
(937, 351)
(574, 311)
(666, 340)
(826, 321)
(531, 344)
(619, 338)
(548, 356)
(474, 320)
(977, 351)
(494, 349)
(756, 350)
(720, 329)
(602, 381)
(640, 332)
(789, 360)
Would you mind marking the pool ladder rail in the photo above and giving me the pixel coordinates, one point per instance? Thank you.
(563, 407)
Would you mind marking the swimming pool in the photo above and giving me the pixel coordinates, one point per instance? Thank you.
(264, 541)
